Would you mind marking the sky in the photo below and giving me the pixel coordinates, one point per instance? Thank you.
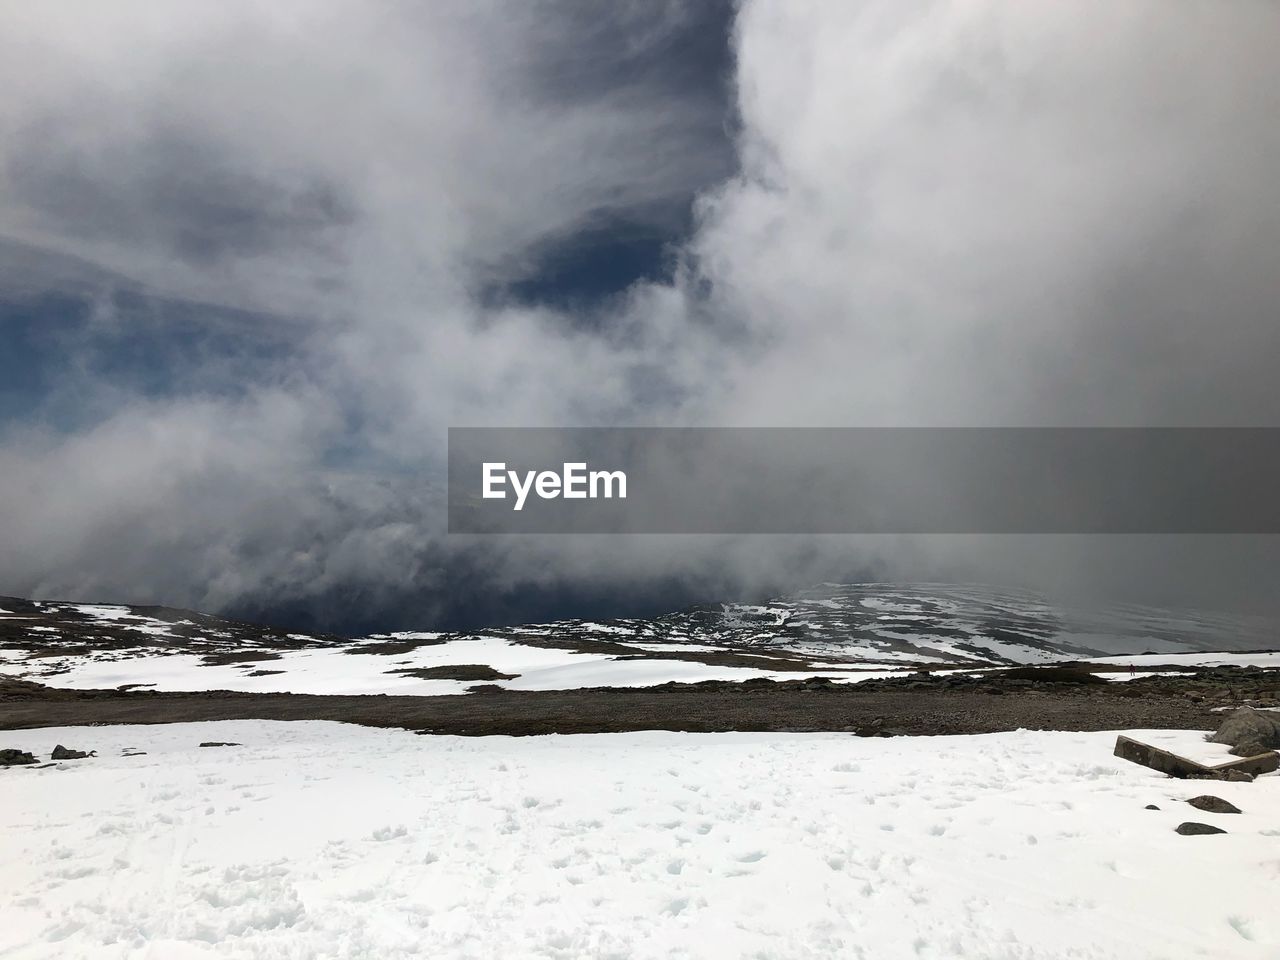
(255, 259)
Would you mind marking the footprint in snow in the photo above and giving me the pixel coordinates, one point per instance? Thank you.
(1241, 926)
(677, 906)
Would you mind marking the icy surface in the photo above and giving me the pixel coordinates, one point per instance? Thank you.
(323, 840)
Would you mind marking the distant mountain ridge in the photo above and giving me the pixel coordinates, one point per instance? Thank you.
(875, 624)
(941, 623)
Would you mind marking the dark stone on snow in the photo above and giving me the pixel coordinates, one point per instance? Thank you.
(461, 671)
(1193, 829)
(1210, 804)
(14, 758)
(219, 743)
(1150, 806)
(63, 753)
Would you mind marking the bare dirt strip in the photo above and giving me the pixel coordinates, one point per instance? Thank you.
(920, 705)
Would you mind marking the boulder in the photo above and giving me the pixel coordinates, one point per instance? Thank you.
(1210, 804)
(13, 758)
(1249, 732)
(63, 753)
(1193, 829)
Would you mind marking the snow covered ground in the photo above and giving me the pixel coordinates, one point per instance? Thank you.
(319, 839)
(335, 670)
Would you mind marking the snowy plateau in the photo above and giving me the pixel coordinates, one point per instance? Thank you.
(329, 840)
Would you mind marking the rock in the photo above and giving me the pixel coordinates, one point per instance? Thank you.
(1249, 732)
(62, 753)
(458, 671)
(1210, 804)
(1150, 806)
(219, 743)
(1249, 748)
(1193, 829)
(823, 684)
(14, 758)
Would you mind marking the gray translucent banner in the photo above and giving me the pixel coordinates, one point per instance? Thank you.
(864, 480)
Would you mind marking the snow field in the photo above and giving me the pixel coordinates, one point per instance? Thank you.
(319, 839)
(1263, 659)
(333, 670)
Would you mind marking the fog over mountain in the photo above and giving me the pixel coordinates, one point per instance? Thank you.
(256, 259)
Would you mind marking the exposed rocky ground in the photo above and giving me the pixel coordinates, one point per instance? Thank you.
(1049, 699)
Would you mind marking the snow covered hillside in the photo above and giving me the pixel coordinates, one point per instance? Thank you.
(848, 632)
(321, 839)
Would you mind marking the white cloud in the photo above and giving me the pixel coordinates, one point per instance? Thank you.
(965, 212)
(989, 212)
